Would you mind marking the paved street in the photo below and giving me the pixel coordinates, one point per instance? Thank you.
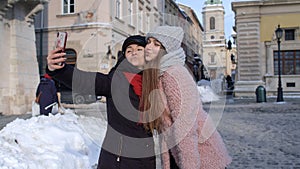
(262, 135)
(257, 135)
(6, 119)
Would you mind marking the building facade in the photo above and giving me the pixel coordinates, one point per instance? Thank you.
(256, 22)
(218, 55)
(95, 30)
(214, 43)
(19, 67)
(192, 43)
(95, 35)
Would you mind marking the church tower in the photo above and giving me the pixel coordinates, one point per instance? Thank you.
(214, 48)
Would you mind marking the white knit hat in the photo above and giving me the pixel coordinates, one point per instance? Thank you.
(169, 36)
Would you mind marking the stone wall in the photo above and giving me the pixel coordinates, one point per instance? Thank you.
(18, 63)
(249, 59)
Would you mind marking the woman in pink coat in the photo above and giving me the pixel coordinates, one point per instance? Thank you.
(172, 106)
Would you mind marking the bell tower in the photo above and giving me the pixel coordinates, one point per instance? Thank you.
(213, 18)
(214, 38)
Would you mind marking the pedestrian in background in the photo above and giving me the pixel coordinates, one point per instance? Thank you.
(126, 144)
(189, 138)
(46, 95)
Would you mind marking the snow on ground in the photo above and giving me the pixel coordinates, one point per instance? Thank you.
(207, 94)
(55, 141)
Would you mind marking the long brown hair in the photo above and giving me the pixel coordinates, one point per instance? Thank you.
(151, 103)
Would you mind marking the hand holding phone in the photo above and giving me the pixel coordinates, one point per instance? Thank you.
(56, 59)
(61, 40)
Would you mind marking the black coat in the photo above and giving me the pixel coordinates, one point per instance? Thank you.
(48, 95)
(126, 144)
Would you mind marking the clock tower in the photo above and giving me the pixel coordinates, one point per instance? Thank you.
(214, 49)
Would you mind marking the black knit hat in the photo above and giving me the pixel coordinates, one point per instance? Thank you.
(135, 39)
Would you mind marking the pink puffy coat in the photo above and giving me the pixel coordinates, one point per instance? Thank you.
(188, 130)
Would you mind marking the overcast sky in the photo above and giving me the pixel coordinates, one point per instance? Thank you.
(197, 6)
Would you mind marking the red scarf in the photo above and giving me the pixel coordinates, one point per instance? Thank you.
(136, 81)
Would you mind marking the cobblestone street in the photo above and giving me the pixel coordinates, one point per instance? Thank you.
(262, 135)
(257, 135)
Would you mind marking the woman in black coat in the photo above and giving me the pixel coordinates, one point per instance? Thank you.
(127, 144)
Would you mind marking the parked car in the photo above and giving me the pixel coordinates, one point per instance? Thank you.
(76, 98)
(70, 97)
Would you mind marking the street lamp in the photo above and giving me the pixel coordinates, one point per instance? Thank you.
(279, 89)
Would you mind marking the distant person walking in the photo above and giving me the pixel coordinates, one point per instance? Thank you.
(46, 95)
(229, 82)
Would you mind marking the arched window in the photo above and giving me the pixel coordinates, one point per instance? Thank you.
(212, 23)
(71, 56)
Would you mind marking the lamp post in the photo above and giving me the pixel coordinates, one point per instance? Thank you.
(279, 89)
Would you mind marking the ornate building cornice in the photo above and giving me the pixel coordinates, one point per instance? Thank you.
(36, 6)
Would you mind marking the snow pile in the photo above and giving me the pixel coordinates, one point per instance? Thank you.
(54, 141)
(207, 94)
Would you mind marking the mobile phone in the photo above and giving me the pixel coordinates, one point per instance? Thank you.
(61, 41)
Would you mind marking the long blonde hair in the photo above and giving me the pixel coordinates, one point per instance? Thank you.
(151, 103)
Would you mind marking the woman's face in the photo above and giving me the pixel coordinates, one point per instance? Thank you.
(135, 55)
(152, 49)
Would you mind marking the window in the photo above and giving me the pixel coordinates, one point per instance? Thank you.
(212, 23)
(148, 23)
(118, 8)
(213, 74)
(289, 34)
(140, 19)
(290, 62)
(68, 7)
(130, 12)
(212, 59)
